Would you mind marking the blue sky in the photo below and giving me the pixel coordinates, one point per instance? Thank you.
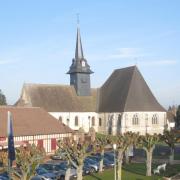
(37, 42)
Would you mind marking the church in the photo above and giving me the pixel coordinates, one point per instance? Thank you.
(123, 103)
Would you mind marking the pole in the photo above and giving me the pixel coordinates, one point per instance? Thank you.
(114, 164)
(9, 169)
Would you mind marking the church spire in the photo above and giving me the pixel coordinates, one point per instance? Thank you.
(79, 50)
(79, 70)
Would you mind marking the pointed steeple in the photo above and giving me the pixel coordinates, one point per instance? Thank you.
(79, 70)
(79, 63)
(79, 50)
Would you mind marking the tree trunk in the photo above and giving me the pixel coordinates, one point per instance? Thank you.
(171, 157)
(79, 172)
(101, 162)
(24, 176)
(119, 168)
(148, 162)
(67, 175)
(127, 156)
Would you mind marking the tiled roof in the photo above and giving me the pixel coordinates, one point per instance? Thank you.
(57, 98)
(30, 121)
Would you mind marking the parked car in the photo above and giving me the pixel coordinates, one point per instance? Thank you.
(109, 155)
(46, 174)
(92, 164)
(4, 176)
(107, 163)
(59, 156)
(63, 166)
(59, 169)
(96, 158)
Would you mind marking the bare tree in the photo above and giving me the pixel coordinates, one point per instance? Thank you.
(27, 159)
(102, 141)
(122, 142)
(76, 152)
(171, 138)
(148, 143)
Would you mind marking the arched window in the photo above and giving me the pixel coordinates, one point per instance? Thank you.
(76, 121)
(60, 119)
(135, 119)
(154, 119)
(100, 122)
(93, 121)
(119, 120)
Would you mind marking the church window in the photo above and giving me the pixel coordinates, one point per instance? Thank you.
(119, 120)
(154, 119)
(100, 122)
(93, 121)
(60, 119)
(76, 121)
(135, 119)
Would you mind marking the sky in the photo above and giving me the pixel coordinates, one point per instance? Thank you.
(37, 42)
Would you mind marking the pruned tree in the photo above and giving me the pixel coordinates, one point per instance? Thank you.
(148, 143)
(102, 141)
(4, 159)
(122, 142)
(2, 98)
(76, 152)
(133, 140)
(170, 138)
(27, 159)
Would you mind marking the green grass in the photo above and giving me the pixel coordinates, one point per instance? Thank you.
(109, 175)
(177, 156)
(129, 172)
(134, 172)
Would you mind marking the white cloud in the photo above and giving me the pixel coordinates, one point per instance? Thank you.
(128, 53)
(158, 62)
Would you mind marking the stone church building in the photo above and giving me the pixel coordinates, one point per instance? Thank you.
(123, 103)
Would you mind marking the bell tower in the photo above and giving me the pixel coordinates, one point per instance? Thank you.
(80, 70)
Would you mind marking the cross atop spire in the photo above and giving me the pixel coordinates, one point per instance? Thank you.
(79, 50)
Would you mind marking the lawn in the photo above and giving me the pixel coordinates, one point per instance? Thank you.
(109, 175)
(134, 172)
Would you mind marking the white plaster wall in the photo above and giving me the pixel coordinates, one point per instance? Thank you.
(144, 126)
(83, 118)
(34, 139)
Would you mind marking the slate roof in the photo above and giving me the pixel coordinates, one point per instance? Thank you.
(76, 66)
(30, 121)
(126, 90)
(56, 98)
